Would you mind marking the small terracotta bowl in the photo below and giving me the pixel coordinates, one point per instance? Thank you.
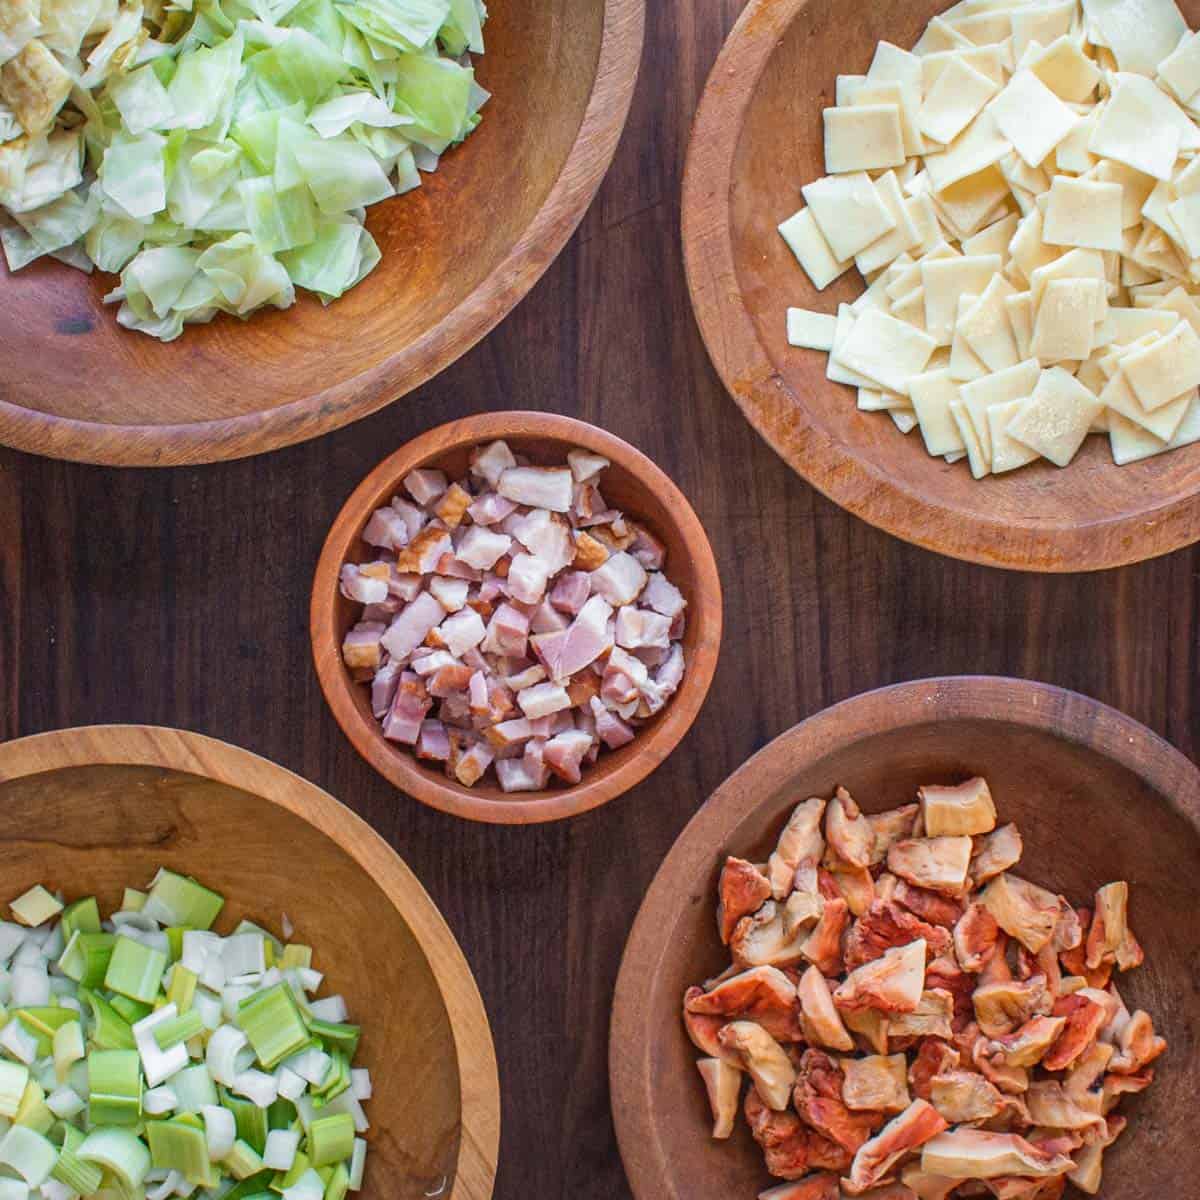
(632, 484)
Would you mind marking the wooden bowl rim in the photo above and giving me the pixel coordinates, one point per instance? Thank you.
(413, 364)
(654, 744)
(751, 378)
(209, 758)
(1068, 715)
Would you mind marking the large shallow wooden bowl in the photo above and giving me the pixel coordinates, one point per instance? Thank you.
(1097, 797)
(632, 484)
(757, 139)
(93, 810)
(457, 255)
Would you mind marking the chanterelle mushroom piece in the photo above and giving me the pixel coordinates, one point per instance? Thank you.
(876, 1083)
(784, 1138)
(1089, 1158)
(1028, 1045)
(974, 1154)
(951, 811)
(724, 1086)
(822, 1186)
(703, 1029)
(855, 884)
(820, 1018)
(848, 831)
(913, 1128)
(995, 853)
(939, 864)
(762, 994)
(886, 925)
(962, 1096)
(1137, 1045)
(763, 1059)
(1000, 1008)
(892, 983)
(742, 889)
(762, 939)
(803, 908)
(871, 1025)
(818, 1100)
(824, 945)
(976, 938)
(1049, 1104)
(1110, 939)
(931, 1018)
(1022, 909)
(800, 842)
(925, 1186)
(1083, 1019)
(890, 827)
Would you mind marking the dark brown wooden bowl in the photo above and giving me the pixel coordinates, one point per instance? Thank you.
(1097, 796)
(757, 139)
(95, 809)
(632, 484)
(458, 254)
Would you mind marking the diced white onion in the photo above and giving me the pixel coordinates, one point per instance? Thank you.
(291, 1086)
(360, 1083)
(280, 1153)
(332, 1008)
(160, 1100)
(228, 1054)
(256, 1086)
(220, 1130)
(65, 1103)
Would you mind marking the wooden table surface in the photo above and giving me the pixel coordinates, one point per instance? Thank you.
(181, 598)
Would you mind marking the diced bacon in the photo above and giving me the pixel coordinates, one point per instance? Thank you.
(570, 592)
(463, 631)
(663, 596)
(620, 580)
(491, 461)
(492, 588)
(610, 729)
(638, 627)
(449, 565)
(411, 626)
(362, 645)
(624, 677)
(360, 587)
(510, 733)
(477, 690)
(490, 509)
(432, 661)
(546, 536)
(470, 766)
(526, 678)
(404, 586)
(425, 485)
(647, 549)
(548, 647)
(384, 611)
(527, 578)
(538, 487)
(670, 675)
(590, 554)
(451, 594)
(587, 639)
(586, 502)
(409, 707)
(515, 775)
(585, 464)
(433, 743)
(452, 506)
(424, 552)
(564, 754)
(448, 680)
(383, 688)
(543, 699)
(547, 619)
(482, 548)
(386, 528)
(507, 632)
(415, 518)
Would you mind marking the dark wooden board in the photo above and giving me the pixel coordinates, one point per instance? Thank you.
(181, 598)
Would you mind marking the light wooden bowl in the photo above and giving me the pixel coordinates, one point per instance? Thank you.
(633, 484)
(457, 255)
(91, 810)
(757, 139)
(1097, 797)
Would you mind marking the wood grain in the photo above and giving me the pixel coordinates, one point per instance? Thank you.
(633, 485)
(181, 598)
(1096, 797)
(97, 809)
(78, 386)
(757, 140)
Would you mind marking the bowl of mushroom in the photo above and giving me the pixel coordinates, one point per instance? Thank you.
(929, 943)
(516, 617)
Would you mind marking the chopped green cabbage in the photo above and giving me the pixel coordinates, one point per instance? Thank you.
(219, 154)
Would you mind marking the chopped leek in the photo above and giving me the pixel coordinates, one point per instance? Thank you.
(330, 1139)
(82, 916)
(28, 1154)
(177, 1145)
(115, 1087)
(79, 1176)
(273, 1025)
(13, 1079)
(183, 901)
(135, 970)
(86, 957)
(118, 1151)
(36, 906)
(178, 1029)
(68, 1048)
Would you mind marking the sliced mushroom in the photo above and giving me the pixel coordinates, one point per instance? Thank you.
(818, 1100)
(1050, 1104)
(848, 832)
(878, 1082)
(951, 811)
(913, 1128)
(932, 1058)
(803, 908)
(976, 938)
(929, 906)
(762, 994)
(931, 1018)
(763, 1059)
(823, 1186)
(1137, 1045)
(1068, 933)
(937, 863)
(821, 1020)
(994, 853)
(1088, 1069)
(703, 1029)
(1089, 1159)
(762, 939)
(1083, 1019)
(963, 1096)
(742, 890)
(782, 1135)
(1110, 940)
(892, 983)
(891, 827)
(1013, 1081)
(1116, 1086)
(884, 926)
(724, 1086)
(824, 945)
(800, 842)
(871, 1025)
(855, 884)
(1022, 909)
(925, 1186)
(1001, 1008)
(975, 1154)
(1028, 1045)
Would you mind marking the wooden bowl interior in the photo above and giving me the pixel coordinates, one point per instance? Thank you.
(1086, 820)
(624, 490)
(67, 356)
(780, 149)
(95, 829)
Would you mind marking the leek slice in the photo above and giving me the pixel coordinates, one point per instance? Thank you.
(28, 1154)
(35, 906)
(190, 903)
(68, 1048)
(118, 1151)
(135, 970)
(33, 1113)
(109, 1030)
(79, 1176)
(13, 1079)
(115, 1087)
(250, 1119)
(82, 916)
(86, 957)
(338, 1183)
(177, 1145)
(336, 1035)
(330, 1139)
(273, 1025)
(243, 1161)
(178, 1029)
(195, 1088)
(133, 900)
